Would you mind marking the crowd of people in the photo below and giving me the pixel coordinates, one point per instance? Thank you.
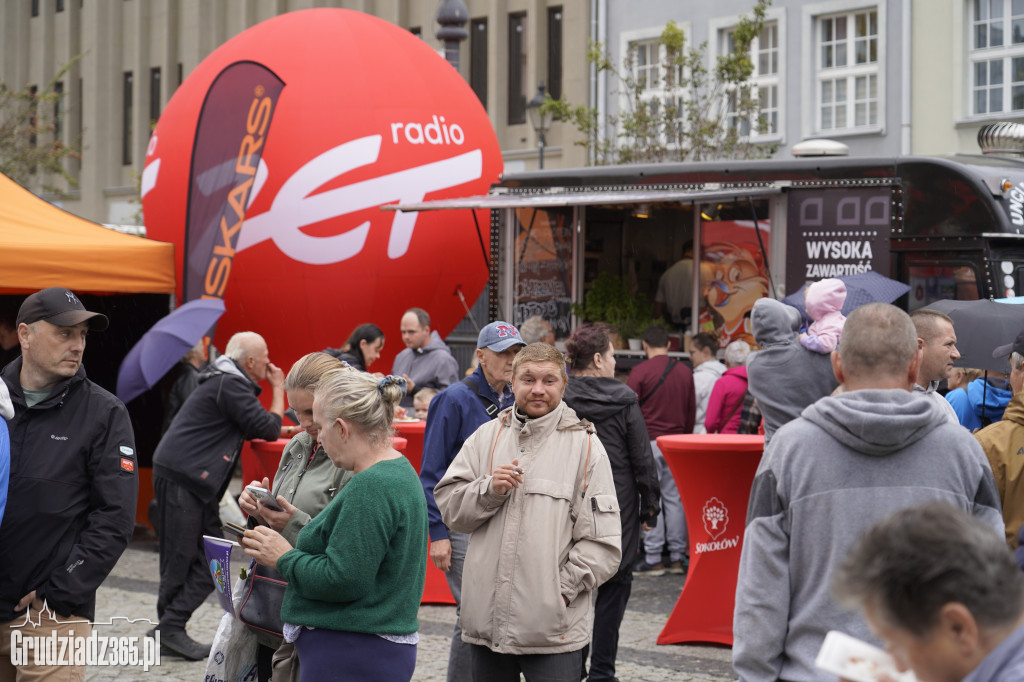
(880, 508)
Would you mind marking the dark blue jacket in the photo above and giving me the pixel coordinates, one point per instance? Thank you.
(455, 413)
(200, 448)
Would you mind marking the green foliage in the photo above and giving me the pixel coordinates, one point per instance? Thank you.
(688, 118)
(29, 146)
(610, 300)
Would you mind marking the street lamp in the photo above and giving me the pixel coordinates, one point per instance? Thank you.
(541, 121)
(452, 15)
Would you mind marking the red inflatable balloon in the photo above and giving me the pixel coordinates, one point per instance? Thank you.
(368, 115)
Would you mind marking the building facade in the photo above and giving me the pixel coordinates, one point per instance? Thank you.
(834, 69)
(129, 56)
(968, 71)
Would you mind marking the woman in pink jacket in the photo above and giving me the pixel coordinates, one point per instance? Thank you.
(726, 401)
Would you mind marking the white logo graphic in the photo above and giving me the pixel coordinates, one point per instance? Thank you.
(125, 450)
(295, 205)
(71, 297)
(76, 650)
(716, 517)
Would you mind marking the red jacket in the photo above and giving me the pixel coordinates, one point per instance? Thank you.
(726, 399)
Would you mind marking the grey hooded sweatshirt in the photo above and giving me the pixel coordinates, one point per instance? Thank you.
(432, 366)
(704, 377)
(846, 463)
(784, 376)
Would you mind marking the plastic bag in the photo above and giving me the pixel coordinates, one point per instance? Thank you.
(233, 654)
(229, 509)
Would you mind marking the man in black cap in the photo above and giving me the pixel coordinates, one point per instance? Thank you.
(73, 482)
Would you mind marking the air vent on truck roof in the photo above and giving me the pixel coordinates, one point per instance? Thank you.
(820, 147)
(1003, 138)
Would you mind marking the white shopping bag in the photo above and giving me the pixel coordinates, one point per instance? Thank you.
(233, 654)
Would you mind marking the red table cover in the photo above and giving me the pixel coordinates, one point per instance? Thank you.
(714, 473)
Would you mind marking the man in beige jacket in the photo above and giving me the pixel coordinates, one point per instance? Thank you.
(1003, 442)
(534, 489)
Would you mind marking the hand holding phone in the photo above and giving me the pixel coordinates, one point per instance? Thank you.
(264, 496)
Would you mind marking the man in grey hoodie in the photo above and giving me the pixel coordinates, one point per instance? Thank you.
(784, 376)
(848, 461)
(426, 361)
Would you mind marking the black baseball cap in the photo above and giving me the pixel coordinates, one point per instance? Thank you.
(59, 306)
(1016, 347)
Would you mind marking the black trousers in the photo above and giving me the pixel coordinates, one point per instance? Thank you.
(185, 580)
(608, 612)
(494, 667)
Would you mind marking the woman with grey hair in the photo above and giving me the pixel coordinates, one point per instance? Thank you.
(536, 328)
(726, 401)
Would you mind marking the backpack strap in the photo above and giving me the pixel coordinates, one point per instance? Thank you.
(489, 405)
(672, 362)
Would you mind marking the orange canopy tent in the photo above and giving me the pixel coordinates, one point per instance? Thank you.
(44, 246)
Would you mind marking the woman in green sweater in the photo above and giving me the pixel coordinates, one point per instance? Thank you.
(355, 575)
(306, 479)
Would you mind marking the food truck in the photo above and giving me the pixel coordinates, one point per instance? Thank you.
(949, 227)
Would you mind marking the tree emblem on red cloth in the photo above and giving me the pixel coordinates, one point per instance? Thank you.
(716, 517)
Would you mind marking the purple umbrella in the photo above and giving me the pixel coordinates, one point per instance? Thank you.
(861, 289)
(164, 344)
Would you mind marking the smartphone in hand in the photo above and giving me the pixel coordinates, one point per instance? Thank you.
(264, 496)
(233, 528)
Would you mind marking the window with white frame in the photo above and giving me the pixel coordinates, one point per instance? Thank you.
(764, 53)
(847, 70)
(996, 56)
(658, 88)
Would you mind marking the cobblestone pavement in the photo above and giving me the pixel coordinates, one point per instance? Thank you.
(131, 589)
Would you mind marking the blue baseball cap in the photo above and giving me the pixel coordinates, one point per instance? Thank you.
(498, 336)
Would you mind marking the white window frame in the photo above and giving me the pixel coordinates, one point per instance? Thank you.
(815, 74)
(1005, 54)
(627, 39)
(717, 31)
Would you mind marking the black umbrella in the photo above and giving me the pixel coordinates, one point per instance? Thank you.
(981, 326)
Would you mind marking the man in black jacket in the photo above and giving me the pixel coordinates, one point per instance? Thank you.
(73, 481)
(192, 466)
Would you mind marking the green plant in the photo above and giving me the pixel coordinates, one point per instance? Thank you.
(697, 113)
(609, 300)
(30, 141)
(641, 323)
